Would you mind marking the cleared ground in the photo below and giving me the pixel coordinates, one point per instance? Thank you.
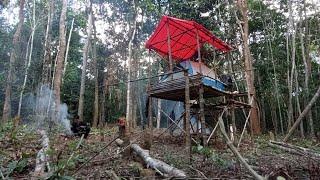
(97, 158)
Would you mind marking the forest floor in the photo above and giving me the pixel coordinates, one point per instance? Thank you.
(97, 158)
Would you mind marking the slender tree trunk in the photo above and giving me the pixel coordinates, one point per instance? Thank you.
(84, 60)
(30, 56)
(249, 72)
(60, 56)
(298, 102)
(13, 57)
(275, 77)
(307, 69)
(96, 76)
(134, 113)
(129, 98)
(139, 99)
(67, 50)
(103, 100)
(46, 57)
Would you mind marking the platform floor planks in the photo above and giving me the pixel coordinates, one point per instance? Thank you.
(175, 89)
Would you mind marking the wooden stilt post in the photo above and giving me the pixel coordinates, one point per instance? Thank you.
(233, 118)
(202, 116)
(148, 131)
(187, 115)
(201, 99)
(150, 124)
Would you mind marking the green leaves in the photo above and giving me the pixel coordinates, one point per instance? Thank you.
(15, 166)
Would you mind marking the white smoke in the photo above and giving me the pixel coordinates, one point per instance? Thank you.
(41, 111)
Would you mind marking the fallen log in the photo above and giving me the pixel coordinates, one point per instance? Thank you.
(236, 152)
(42, 160)
(303, 114)
(294, 149)
(155, 164)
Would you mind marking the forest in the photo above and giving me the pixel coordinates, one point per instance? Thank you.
(160, 89)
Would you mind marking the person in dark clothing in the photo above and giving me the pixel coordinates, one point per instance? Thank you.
(80, 128)
(227, 80)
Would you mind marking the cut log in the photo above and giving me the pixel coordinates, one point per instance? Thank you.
(154, 163)
(42, 160)
(294, 149)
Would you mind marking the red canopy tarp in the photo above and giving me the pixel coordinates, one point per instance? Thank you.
(183, 38)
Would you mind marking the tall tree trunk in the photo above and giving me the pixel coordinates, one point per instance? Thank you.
(293, 52)
(103, 100)
(96, 78)
(249, 72)
(28, 63)
(13, 57)
(46, 57)
(307, 66)
(84, 60)
(139, 98)
(60, 56)
(129, 101)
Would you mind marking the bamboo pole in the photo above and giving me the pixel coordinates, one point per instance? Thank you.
(215, 127)
(245, 125)
(199, 52)
(169, 47)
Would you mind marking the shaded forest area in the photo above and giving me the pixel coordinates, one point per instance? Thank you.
(77, 80)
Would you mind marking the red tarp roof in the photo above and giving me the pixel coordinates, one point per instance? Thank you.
(183, 38)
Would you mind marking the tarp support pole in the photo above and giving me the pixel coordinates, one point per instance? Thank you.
(169, 47)
(199, 52)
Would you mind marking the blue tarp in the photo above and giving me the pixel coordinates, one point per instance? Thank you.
(208, 81)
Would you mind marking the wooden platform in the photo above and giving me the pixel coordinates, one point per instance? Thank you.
(175, 89)
(221, 106)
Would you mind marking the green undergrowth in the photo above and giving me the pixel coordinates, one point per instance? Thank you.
(212, 156)
(174, 160)
(14, 157)
(102, 131)
(66, 161)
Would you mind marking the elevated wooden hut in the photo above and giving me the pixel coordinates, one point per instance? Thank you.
(179, 42)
